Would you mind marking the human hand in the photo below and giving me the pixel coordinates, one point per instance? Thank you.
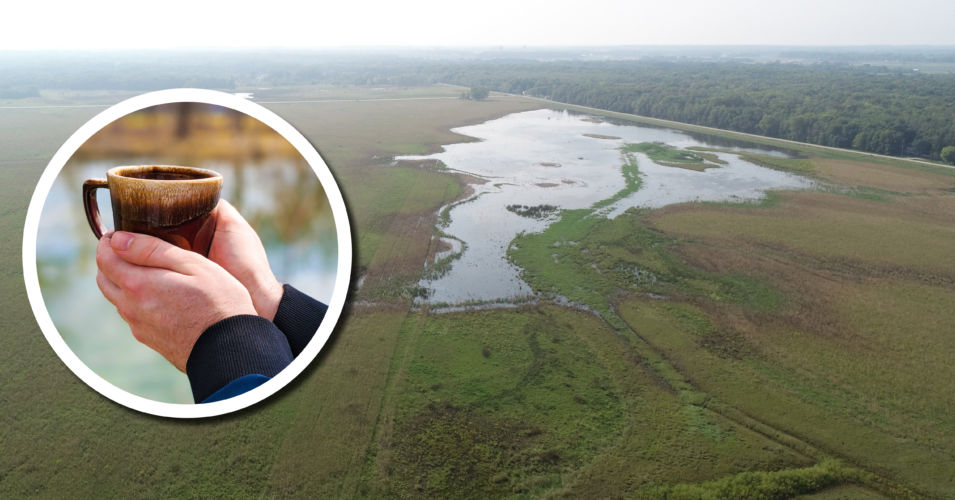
(167, 295)
(237, 248)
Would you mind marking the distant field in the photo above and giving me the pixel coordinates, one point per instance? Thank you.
(20, 142)
(343, 92)
(798, 345)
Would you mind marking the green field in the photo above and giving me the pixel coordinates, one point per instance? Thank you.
(801, 345)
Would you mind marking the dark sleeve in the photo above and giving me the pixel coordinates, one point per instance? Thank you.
(238, 386)
(298, 316)
(233, 348)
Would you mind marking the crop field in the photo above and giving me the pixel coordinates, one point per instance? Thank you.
(800, 345)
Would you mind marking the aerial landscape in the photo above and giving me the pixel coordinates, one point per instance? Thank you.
(578, 272)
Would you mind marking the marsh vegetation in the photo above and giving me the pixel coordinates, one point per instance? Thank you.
(763, 348)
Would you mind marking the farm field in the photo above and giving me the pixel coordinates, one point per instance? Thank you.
(799, 345)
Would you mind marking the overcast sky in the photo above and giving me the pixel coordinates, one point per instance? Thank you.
(446, 23)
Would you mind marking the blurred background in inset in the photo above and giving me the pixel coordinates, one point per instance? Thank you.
(265, 178)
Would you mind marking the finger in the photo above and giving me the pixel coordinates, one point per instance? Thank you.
(136, 290)
(227, 217)
(124, 275)
(109, 289)
(149, 251)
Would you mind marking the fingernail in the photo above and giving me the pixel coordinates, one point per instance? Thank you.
(120, 240)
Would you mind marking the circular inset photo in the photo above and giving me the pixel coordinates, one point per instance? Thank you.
(187, 253)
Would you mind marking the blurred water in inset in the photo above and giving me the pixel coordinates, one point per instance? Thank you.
(265, 178)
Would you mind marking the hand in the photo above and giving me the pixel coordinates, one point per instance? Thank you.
(237, 248)
(167, 295)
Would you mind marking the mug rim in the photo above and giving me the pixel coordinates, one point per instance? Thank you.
(211, 175)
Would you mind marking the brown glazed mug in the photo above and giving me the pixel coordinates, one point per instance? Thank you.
(169, 202)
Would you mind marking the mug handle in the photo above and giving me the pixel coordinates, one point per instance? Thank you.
(92, 209)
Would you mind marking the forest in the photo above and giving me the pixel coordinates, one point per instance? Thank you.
(893, 108)
(863, 108)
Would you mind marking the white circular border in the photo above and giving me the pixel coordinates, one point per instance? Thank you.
(339, 292)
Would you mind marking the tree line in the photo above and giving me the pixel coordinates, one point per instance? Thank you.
(868, 108)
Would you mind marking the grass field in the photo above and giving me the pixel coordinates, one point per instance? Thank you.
(800, 345)
(817, 313)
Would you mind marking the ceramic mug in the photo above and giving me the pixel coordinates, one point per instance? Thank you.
(170, 202)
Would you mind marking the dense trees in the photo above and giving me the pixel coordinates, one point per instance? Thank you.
(849, 104)
(948, 154)
(864, 108)
(477, 92)
(18, 92)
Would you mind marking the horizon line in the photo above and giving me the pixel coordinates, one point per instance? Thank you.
(438, 48)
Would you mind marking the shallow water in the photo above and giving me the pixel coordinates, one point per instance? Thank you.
(737, 181)
(544, 157)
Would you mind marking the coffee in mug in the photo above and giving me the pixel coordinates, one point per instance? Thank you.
(170, 202)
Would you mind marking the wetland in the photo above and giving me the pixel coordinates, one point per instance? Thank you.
(533, 164)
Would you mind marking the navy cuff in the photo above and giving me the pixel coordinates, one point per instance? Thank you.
(298, 316)
(232, 348)
(238, 386)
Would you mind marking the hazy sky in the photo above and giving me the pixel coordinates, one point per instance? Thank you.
(430, 23)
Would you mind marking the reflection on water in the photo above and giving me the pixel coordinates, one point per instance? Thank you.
(276, 191)
(546, 157)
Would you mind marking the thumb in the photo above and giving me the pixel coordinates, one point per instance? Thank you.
(149, 251)
(227, 217)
